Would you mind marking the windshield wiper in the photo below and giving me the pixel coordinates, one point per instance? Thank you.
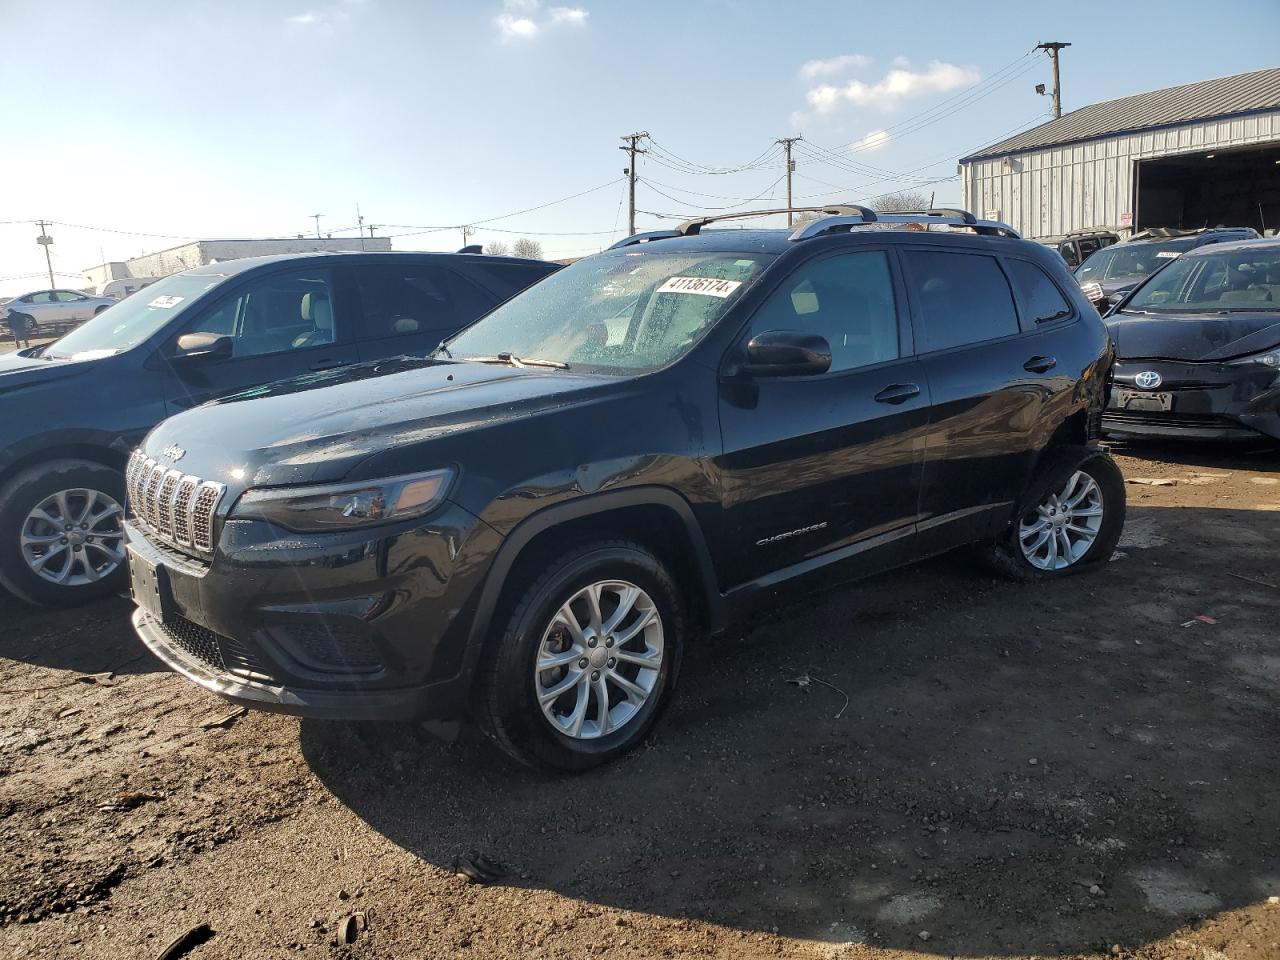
(511, 360)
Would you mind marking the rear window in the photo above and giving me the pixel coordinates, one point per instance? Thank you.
(963, 298)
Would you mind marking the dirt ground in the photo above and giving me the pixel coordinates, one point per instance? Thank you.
(1082, 768)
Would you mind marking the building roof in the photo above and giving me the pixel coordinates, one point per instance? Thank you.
(1205, 100)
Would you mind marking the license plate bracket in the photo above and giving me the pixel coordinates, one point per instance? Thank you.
(150, 582)
(1142, 400)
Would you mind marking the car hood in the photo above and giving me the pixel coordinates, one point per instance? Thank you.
(316, 429)
(1206, 337)
(17, 371)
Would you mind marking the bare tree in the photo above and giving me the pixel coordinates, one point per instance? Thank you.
(905, 201)
(524, 247)
(497, 248)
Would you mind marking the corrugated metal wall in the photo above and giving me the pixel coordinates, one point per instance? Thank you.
(1055, 191)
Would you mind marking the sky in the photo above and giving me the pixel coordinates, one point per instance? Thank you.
(134, 127)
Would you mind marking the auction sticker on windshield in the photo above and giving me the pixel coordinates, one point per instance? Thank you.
(166, 301)
(707, 286)
(1168, 254)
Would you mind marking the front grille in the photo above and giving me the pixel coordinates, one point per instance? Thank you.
(221, 654)
(173, 506)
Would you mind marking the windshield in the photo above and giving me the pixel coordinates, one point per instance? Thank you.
(1131, 260)
(1235, 280)
(616, 313)
(132, 320)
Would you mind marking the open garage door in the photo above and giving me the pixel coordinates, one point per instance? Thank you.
(1222, 188)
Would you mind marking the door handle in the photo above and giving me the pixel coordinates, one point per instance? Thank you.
(1039, 364)
(898, 393)
(328, 363)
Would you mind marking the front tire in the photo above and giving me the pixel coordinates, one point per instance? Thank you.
(1071, 519)
(587, 660)
(61, 533)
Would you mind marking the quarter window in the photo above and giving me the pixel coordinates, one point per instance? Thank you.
(846, 298)
(1040, 299)
(68, 296)
(963, 298)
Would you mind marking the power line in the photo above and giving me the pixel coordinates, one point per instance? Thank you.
(767, 192)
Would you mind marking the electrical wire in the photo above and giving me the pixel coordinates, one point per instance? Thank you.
(767, 192)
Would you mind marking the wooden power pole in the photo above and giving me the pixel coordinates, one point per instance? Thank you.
(791, 168)
(1052, 49)
(632, 148)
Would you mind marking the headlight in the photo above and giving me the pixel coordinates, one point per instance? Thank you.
(1092, 291)
(1269, 359)
(348, 505)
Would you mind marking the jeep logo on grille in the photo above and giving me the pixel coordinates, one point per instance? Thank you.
(175, 452)
(1147, 380)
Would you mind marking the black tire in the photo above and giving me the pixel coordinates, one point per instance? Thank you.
(505, 703)
(1006, 556)
(23, 493)
(99, 310)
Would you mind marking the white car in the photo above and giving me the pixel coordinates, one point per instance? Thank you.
(53, 307)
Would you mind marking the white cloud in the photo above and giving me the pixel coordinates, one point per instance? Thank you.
(311, 16)
(574, 15)
(896, 85)
(874, 140)
(327, 17)
(833, 65)
(524, 19)
(515, 28)
(901, 61)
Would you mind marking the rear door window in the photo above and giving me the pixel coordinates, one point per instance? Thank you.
(961, 298)
(404, 300)
(1039, 298)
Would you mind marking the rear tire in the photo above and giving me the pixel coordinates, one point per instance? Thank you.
(627, 652)
(1070, 520)
(36, 507)
(98, 311)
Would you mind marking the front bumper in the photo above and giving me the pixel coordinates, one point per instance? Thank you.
(336, 626)
(1208, 401)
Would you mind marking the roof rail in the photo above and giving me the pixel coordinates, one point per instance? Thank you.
(636, 238)
(691, 228)
(955, 218)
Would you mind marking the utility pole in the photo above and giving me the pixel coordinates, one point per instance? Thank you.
(46, 241)
(791, 168)
(360, 226)
(372, 227)
(1052, 49)
(316, 217)
(466, 233)
(632, 148)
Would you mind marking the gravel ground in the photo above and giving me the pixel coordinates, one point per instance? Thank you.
(1081, 768)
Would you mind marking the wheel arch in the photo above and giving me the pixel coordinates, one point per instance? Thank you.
(94, 453)
(657, 517)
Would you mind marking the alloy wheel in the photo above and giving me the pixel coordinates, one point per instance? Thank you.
(1063, 526)
(74, 537)
(599, 660)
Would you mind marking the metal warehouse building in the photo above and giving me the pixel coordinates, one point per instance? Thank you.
(1201, 154)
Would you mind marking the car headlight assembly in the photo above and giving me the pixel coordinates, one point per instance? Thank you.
(346, 506)
(1269, 359)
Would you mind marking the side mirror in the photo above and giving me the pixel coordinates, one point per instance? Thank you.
(785, 353)
(203, 346)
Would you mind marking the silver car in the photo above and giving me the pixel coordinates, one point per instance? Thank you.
(55, 307)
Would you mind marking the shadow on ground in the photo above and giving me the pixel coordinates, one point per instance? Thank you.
(1021, 768)
(95, 638)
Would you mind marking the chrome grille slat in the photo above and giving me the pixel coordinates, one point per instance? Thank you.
(177, 508)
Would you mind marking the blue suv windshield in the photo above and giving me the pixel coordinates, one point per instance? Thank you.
(622, 312)
(132, 320)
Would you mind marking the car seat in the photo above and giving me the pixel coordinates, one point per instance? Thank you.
(317, 309)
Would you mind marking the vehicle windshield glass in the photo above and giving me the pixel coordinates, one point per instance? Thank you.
(1131, 260)
(1225, 280)
(623, 312)
(132, 320)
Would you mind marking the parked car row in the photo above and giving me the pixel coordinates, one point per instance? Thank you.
(363, 504)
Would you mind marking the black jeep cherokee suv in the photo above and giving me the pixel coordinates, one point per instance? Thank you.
(531, 524)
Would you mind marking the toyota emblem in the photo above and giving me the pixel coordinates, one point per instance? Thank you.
(1147, 380)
